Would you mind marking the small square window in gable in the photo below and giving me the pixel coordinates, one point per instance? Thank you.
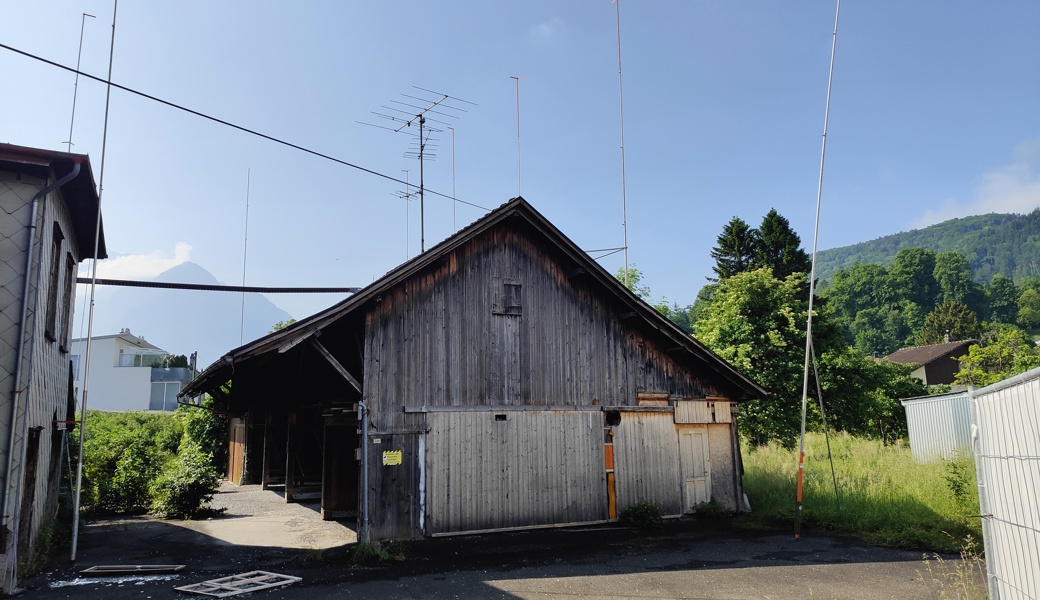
(506, 296)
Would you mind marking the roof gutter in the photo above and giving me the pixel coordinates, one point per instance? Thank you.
(12, 490)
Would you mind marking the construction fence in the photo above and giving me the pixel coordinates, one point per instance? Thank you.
(1005, 440)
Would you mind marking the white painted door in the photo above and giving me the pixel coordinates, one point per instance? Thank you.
(694, 466)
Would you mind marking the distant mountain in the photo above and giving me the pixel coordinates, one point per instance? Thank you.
(185, 321)
(994, 244)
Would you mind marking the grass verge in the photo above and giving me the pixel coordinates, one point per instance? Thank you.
(883, 495)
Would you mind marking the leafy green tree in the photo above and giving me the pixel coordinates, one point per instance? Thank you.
(757, 323)
(876, 331)
(280, 325)
(859, 287)
(1002, 297)
(861, 395)
(779, 247)
(1029, 308)
(1008, 352)
(951, 320)
(912, 276)
(736, 249)
(679, 315)
(172, 361)
(704, 296)
(953, 276)
(208, 429)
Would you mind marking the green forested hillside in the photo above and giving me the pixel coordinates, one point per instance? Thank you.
(994, 244)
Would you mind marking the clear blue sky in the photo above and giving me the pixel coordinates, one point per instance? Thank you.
(935, 113)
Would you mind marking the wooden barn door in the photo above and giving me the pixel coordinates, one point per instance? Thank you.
(694, 465)
(236, 450)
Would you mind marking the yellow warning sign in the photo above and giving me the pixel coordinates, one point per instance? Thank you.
(391, 457)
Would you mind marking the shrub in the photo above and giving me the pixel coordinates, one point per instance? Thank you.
(645, 515)
(186, 484)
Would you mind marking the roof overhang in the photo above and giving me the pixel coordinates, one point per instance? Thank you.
(282, 341)
(80, 193)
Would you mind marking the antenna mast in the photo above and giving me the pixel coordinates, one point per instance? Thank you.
(621, 112)
(75, 86)
(430, 101)
(812, 281)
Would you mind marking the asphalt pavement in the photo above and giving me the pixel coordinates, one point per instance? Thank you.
(690, 558)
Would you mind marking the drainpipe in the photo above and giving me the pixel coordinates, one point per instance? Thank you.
(13, 490)
(365, 537)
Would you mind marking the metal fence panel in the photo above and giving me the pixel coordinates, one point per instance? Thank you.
(1006, 442)
(939, 426)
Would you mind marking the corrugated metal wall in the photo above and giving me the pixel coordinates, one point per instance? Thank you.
(939, 426)
(489, 470)
(646, 461)
(1006, 419)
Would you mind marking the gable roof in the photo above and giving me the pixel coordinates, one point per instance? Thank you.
(924, 355)
(517, 208)
(80, 193)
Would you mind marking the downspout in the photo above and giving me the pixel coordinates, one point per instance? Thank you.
(9, 518)
(365, 537)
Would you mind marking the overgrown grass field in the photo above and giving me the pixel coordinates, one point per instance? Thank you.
(884, 496)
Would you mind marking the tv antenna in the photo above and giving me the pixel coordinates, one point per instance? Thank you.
(407, 196)
(417, 110)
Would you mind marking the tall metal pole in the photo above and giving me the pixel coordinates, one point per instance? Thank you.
(422, 199)
(621, 99)
(407, 215)
(517, 79)
(93, 287)
(75, 87)
(454, 227)
(812, 284)
(245, 250)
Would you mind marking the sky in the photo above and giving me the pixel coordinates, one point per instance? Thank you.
(934, 114)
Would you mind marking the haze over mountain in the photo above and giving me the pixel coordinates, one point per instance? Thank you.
(183, 321)
(1004, 244)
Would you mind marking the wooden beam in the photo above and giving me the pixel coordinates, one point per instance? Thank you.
(336, 364)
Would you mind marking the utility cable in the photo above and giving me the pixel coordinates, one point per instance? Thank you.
(230, 124)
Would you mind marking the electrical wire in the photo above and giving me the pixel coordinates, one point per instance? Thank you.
(221, 288)
(230, 124)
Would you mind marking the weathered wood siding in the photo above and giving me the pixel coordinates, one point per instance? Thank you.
(724, 484)
(488, 470)
(502, 321)
(646, 461)
(447, 338)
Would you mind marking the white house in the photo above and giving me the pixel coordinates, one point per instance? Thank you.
(123, 375)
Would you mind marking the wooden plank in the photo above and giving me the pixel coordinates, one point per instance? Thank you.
(646, 459)
(335, 364)
(532, 468)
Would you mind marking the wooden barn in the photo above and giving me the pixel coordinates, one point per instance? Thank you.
(500, 380)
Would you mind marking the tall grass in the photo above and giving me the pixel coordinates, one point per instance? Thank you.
(883, 495)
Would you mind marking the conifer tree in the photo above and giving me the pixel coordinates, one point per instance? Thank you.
(735, 252)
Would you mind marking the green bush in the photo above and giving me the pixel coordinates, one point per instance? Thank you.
(645, 515)
(186, 484)
(136, 462)
(209, 429)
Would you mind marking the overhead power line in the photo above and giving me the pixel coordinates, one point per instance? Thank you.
(229, 124)
(221, 288)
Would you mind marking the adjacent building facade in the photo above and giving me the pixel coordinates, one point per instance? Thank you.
(124, 374)
(500, 380)
(49, 222)
(935, 364)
